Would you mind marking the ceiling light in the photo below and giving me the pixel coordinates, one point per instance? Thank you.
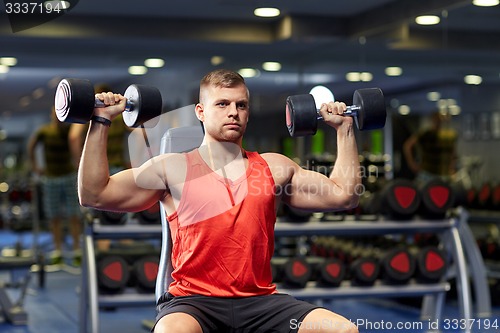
(473, 79)
(266, 12)
(137, 70)
(427, 19)
(271, 66)
(24, 101)
(249, 72)
(321, 95)
(38, 93)
(485, 3)
(353, 77)
(404, 110)
(154, 63)
(366, 76)
(393, 71)
(4, 69)
(216, 60)
(8, 61)
(454, 110)
(433, 96)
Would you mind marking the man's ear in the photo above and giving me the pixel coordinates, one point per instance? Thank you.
(198, 109)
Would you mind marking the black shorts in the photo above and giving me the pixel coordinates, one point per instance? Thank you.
(269, 313)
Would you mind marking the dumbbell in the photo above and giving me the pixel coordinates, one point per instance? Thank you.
(368, 111)
(437, 197)
(75, 102)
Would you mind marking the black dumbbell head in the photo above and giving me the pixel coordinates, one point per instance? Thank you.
(372, 113)
(74, 101)
(301, 115)
(146, 106)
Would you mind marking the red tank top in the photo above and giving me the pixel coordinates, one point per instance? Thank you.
(223, 231)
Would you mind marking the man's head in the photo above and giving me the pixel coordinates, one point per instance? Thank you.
(224, 106)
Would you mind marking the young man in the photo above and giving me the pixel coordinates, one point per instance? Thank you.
(221, 205)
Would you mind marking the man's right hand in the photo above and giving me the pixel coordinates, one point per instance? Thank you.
(115, 105)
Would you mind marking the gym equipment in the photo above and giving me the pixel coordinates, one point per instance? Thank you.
(331, 272)
(111, 218)
(432, 264)
(75, 101)
(113, 274)
(437, 197)
(397, 266)
(364, 271)
(150, 215)
(20, 276)
(145, 270)
(296, 272)
(400, 199)
(368, 111)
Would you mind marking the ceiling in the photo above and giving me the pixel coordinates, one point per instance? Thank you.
(316, 41)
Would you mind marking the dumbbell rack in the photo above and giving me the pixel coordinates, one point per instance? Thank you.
(455, 235)
(90, 299)
(454, 232)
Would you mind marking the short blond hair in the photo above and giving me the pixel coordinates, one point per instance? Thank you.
(222, 78)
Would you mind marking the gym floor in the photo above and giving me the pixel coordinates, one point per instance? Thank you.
(55, 308)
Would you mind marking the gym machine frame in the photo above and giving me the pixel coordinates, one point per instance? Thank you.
(90, 299)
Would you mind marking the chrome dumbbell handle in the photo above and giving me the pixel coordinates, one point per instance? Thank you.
(351, 111)
(129, 106)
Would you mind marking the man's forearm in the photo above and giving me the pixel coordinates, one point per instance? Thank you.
(346, 171)
(93, 172)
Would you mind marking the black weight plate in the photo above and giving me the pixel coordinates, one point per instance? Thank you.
(146, 271)
(398, 265)
(364, 271)
(401, 198)
(296, 272)
(332, 272)
(301, 115)
(74, 101)
(372, 113)
(437, 197)
(146, 106)
(111, 218)
(113, 273)
(431, 264)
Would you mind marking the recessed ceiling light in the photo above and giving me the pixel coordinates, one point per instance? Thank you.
(353, 77)
(154, 63)
(473, 79)
(427, 20)
(216, 60)
(249, 72)
(404, 110)
(433, 96)
(266, 12)
(137, 70)
(485, 3)
(366, 76)
(393, 71)
(38, 93)
(8, 61)
(271, 66)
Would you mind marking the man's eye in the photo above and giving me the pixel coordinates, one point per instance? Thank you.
(222, 104)
(242, 105)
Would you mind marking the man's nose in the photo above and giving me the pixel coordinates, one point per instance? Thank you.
(232, 110)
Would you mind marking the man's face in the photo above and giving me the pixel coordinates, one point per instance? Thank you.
(224, 112)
